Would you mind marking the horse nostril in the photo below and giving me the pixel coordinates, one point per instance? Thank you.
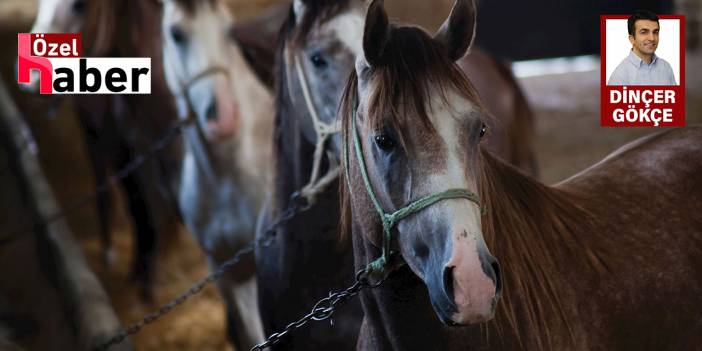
(448, 282)
(498, 277)
(211, 113)
(491, 268)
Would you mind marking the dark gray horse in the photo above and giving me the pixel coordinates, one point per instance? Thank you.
(306, 260)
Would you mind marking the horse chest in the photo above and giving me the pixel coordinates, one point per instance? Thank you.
(212, 206)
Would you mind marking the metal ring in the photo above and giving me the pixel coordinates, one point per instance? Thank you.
(365, 281)
(325, 312)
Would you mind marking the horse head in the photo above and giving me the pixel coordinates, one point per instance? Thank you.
(199, 56)
(412, 129)
(56, 16)
(59, 16)
(318, 51)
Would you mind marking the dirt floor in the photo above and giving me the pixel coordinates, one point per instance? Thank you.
(569, 139)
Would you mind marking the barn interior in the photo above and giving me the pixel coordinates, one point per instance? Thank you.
(556, 61)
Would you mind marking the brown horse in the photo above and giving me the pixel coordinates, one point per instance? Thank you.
(608, 259)
(118, 128)
(318, 46)
(305, 260)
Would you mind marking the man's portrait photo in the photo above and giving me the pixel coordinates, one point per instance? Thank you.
(650, 56)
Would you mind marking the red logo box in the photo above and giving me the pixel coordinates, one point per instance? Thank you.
(642, 105)
(55, 45)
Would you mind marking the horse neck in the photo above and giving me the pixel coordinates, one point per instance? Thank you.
(293, 153)
(539, 235)
(398, 315)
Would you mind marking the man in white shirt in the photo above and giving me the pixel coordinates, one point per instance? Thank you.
(642, 66)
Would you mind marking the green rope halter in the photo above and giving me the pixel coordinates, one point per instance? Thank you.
(379, 266)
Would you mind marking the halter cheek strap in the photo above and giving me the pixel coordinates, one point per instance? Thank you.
(324, 131)
(200, 143)
(379, 268)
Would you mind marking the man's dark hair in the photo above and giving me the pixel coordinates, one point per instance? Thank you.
(640, 15)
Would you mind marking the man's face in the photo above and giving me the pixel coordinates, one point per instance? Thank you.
(645, 39)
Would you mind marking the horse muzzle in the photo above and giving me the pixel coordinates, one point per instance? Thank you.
(467, 289)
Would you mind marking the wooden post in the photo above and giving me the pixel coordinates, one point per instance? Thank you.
(89, 306)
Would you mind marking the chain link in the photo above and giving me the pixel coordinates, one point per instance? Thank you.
(323, 309)
(127, 170)
(297, 205)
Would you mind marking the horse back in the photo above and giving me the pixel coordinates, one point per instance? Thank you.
(645, 200)
(666, 164)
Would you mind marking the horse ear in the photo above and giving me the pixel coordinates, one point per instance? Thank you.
(458, 30)
(375, 33)
(299, 9)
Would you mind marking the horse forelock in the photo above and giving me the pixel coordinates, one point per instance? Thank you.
(415, 70)
(316, 12)
(120, 27)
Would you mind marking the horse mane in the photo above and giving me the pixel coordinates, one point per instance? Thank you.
(116, 27)
(533, 229)
(521, 131)
(101, 26)
(404, 84)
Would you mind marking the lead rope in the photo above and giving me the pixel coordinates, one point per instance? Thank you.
(324, 131)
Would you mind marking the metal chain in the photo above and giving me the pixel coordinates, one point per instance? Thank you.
(132, 166)
(324, 308)
(296, 206)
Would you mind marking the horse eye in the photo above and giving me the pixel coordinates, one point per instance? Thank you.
(78, 6)
(178, 35)
(483, 129)
(318, 61)
(232, 34)
(384, 142)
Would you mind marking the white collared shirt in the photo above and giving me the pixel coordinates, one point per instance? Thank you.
(635, 71)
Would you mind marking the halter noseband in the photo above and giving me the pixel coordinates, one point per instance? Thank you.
(379, 267)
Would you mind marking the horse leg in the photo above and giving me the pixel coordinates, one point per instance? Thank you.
(145, 236)
(243, 317)
(98, 162)
(692, 338)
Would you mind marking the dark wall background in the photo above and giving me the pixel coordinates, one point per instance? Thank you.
(532, 29)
